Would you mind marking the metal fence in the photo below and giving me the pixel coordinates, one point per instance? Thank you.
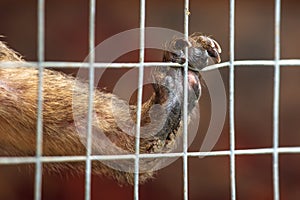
(232, 152)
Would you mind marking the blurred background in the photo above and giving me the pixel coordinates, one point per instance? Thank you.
(66, 39)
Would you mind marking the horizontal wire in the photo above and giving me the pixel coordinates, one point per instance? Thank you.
(51, 64)
(50, 159)
(284, 62)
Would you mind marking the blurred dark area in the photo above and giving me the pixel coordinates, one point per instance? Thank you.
(66, 39)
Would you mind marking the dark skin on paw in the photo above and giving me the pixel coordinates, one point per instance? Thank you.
(202, 51)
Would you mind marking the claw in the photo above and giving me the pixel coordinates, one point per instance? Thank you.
(210, 45)
(202, 51)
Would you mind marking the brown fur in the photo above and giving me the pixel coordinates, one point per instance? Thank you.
(18, 117)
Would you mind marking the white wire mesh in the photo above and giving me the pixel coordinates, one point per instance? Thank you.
(276, 101)
(185, 109)
(88, 169)
(139, 98)
(231, 101)
(277, 63)
(39, 140)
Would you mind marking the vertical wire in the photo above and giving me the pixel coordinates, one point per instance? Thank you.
(185, 105)
(88, 168)
(276, 102)
(231, 101)
(39, 138)
(139, 98)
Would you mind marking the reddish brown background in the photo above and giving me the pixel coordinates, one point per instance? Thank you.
(66, 39)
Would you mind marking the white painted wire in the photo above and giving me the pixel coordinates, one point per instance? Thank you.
(57, 159)
(275, 151)
(88, 169)
(185, 105)
(237, 63)
(276, 101)
(231, 101)
(39, 138)
(139, 98)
